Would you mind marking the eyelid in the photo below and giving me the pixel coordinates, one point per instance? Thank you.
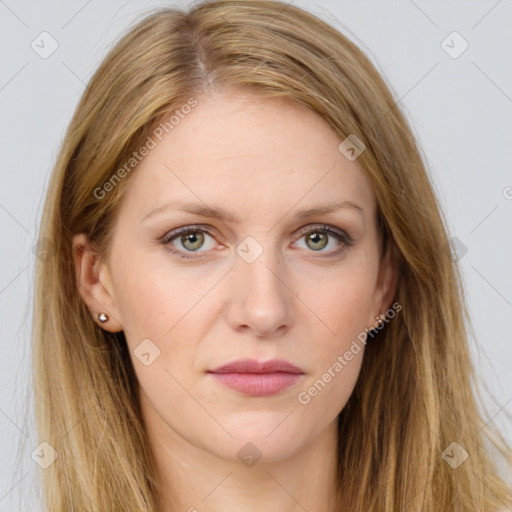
(343, 237)
(324, 227)
(174, 233)
(169, 235)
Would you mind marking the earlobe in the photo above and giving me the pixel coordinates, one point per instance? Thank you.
(95, 285)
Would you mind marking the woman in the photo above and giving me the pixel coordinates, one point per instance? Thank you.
(251, 302)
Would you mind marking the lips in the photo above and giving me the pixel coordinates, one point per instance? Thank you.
(255, 378)
(253, 366)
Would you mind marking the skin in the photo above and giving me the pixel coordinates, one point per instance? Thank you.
(264, 160)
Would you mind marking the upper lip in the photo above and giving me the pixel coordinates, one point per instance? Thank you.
(254, 366)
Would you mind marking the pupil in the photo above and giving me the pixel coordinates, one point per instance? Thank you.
(193, 238)
(318, 237)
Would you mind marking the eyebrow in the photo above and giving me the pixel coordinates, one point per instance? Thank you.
(228, 217)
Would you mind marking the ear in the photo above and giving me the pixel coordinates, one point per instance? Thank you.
(94, 283)
(387, 281)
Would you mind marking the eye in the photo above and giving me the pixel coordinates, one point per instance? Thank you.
(319, 237)
(190, 239)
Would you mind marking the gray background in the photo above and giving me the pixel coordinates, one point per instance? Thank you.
(460, 108)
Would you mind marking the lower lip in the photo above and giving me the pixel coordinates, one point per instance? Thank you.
(258, 384)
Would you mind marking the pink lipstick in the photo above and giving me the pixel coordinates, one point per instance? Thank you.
(254, 378)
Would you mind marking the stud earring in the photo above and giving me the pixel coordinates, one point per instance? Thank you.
(102, 317)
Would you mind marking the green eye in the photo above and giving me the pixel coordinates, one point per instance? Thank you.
(318, 238)
(192, 239)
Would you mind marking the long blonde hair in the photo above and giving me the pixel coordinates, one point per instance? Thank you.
(414, 396)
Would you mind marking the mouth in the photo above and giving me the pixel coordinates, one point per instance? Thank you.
(253, 378)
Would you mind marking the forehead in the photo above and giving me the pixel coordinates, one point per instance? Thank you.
(251, 153)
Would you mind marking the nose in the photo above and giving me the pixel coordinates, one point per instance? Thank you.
(260, 298)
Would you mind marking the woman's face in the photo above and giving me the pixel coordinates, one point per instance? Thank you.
(265, 281)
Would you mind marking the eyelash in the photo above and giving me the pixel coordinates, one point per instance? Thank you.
(341, 236)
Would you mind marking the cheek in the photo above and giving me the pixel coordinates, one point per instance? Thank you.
(344, 307)
(147, 306)
(165, 305)
(344, 303)
(151, 294)
(157, 311)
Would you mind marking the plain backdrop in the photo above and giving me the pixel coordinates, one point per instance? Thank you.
(456, 89)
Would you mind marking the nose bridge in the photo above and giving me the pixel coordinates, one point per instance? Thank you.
(263, 299)
(263, 278)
